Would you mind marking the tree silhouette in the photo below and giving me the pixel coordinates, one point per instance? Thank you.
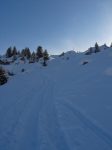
(9, 52)
(97, 49)
(39, 52)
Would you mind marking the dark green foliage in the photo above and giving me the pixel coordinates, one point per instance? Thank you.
(33, 58)
(3, 77)
(9, 52)
(14, 51)
(26, 53)
(46, 55)
(39, 52)
(22, 53)
(97, 49)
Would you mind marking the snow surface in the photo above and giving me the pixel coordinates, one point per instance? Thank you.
(64, 106)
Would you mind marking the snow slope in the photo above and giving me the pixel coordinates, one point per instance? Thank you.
(64, 106)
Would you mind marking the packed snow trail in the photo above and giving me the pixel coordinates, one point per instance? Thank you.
(15, 113)
(42, 119)
(32, 122)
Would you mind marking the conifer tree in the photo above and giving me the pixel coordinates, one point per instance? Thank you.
(23, 53)
(27, 53)
(97, 49)
(39, 52)
(45, 57)
(9, 52)
(14, 51)
(33, 57)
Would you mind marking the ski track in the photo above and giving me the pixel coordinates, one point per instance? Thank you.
(51, 134)
(98, 131)
(12, 121)
(28, 123)
(35, 125)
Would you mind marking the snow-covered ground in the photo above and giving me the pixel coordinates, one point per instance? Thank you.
(64, 106)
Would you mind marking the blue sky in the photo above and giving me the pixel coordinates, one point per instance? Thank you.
(57, 25)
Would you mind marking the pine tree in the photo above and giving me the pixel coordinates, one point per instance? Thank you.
(27, 53)
(23, 53)
(33, 58)
(39, 52)
(9, 52)
(97, 49)
(45, 57)
(14, 51)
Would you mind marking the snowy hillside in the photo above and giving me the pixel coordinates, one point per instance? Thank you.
(64, 106)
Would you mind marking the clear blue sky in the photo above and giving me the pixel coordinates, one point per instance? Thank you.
(57, 25)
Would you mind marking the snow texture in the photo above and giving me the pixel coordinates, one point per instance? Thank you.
(64, 106)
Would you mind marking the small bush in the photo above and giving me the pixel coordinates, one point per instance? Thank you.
(3, 76)
(85, 62)
(23, 70)
(10, 73)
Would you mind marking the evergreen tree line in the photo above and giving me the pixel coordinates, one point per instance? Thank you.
(96, 49)
(26, 53)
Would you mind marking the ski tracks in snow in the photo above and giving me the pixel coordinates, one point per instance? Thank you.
(51, 135)
(16, 116)
(43, 120)
(87, 124)
(32, 123)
